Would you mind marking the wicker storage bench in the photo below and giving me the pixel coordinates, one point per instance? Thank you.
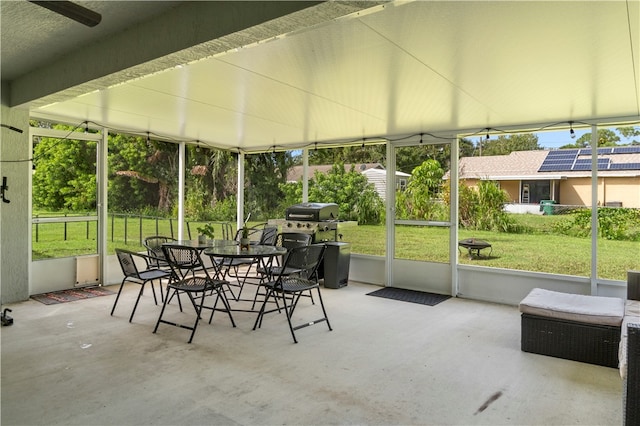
(631, 391)
(630, 351)
(572, 326)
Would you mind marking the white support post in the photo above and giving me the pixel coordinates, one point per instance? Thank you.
(594, 210)
(391, 212)
(103, 182)
(305, 175)
(181, 171)
(453, 216)
(240, 199)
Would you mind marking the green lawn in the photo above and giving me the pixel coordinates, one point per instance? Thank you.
(537, 250)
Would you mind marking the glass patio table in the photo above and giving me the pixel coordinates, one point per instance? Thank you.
(203, 245)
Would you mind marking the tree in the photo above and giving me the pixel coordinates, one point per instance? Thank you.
(348, 154)
(355, 196)
(265, 173)
(630, 132)
(421, 200)
(65, 174)
(142, 172)
(505, 144)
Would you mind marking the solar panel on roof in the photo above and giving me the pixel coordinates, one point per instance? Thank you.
(558, 161)
(626, 150)
(563, 152)
(585, 164)
(625, 166)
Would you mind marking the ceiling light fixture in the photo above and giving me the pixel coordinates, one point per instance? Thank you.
(488, 128)
(421, 137)
(571, 132)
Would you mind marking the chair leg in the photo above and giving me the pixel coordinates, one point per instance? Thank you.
(153, 290)
(164, 305)
(324, 311)
(258, 322)
(288, 314)
(137, 300)
(225, 302)
(118, 296)
(198, 312)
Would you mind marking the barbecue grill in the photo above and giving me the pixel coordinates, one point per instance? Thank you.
(318, 219)
(321, 221)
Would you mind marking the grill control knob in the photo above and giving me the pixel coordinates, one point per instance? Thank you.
(299, 225)
(289, 224)
(309, 225)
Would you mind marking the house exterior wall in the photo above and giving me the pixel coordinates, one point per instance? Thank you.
(379, 182)
(577, 191)
(512, 188)
(625, 190)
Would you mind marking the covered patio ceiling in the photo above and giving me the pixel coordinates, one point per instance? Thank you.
(254, 76)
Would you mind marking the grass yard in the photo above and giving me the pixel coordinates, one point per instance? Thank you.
(539, 250)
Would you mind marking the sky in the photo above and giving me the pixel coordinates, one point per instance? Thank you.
(559, 138)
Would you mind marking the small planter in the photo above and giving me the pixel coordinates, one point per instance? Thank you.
(202, 239)
(244, 243)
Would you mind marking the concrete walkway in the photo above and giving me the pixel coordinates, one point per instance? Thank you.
(385, 363)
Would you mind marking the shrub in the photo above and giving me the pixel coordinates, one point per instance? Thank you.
(613, 224)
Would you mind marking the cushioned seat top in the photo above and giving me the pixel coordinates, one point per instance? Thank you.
(574, 307)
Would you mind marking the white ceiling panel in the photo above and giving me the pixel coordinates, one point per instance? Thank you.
(405, 68)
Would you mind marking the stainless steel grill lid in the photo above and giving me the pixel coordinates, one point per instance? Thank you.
(315, 212)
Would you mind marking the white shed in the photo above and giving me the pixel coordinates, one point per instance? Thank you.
(378, 177)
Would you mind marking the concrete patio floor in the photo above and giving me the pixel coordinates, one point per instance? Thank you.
(385, 363)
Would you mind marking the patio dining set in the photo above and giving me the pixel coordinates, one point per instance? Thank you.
(212, 274)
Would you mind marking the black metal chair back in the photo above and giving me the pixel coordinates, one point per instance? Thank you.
(303, 259)
(153, 245)
(290, 240)
(127, 263)
(183, 260)
(269, 236)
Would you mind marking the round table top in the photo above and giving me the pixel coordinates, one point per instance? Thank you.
(252, 251)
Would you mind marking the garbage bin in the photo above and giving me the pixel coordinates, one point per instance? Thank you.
(335, 265)
(546, 206)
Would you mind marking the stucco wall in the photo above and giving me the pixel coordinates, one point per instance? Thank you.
(626, 190)
(512, 187)
(577, 191)
(15, 216)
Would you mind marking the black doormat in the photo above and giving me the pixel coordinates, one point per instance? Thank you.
(71, 295)
(412, 296)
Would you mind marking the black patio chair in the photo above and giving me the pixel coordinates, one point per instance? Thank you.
(288, 288)
(190, 277)
(287, 240)
(132, 274)
(231, 267)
